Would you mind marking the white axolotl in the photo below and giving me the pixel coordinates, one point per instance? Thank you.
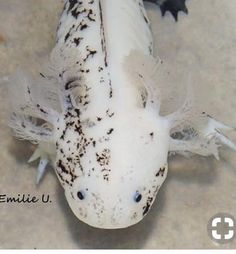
(95, 113)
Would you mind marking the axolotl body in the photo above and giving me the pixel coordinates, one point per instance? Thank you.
(94, 113)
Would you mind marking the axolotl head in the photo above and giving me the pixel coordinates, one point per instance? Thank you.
(114, 183)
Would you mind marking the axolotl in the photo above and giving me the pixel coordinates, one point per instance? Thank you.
(94, 112)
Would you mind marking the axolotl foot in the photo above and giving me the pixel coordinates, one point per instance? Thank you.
(173, 6)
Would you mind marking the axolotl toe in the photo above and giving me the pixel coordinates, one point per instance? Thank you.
(95, 114)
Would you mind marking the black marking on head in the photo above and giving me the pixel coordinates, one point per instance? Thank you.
(72, 4)
(103, 160)
(104, 157)
(147, 206)
(146, 209)
(67, 36)
(62, 167)
(76, 13)
(69, 33)
(161, 171)
(77, 111)
(110, 131)
(70, 159)
(90, 15)
(77, 41)
(91, 53)
(84, 26)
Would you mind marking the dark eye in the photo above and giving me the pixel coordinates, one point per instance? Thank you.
(80, 195)
(137, 197)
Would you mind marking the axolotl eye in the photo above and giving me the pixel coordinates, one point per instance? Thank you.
(81, 195)
(137, 197)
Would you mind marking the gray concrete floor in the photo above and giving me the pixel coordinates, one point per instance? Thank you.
(200, 46)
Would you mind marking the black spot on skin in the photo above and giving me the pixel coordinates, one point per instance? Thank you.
(110, 131)
(69, 33)
(72, 4)
(161, 172)
(62, 167)
(77, 41)
(69, 159)
(77, 111)
(90, 13)
(103, 158)
(91, 53)
(67, 36)
(146, 209)
(75, 13)
(84, 26)
(145, 19)
(148, 205)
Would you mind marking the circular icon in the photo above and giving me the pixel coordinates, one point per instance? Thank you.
(222, 228)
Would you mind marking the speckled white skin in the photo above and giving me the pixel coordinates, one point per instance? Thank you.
(126, 145)
(100, 102)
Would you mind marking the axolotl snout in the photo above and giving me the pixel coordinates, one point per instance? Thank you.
(96, 113)
(112, 182)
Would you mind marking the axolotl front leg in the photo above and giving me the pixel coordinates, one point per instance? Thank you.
(190, 129)
(32, 118)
